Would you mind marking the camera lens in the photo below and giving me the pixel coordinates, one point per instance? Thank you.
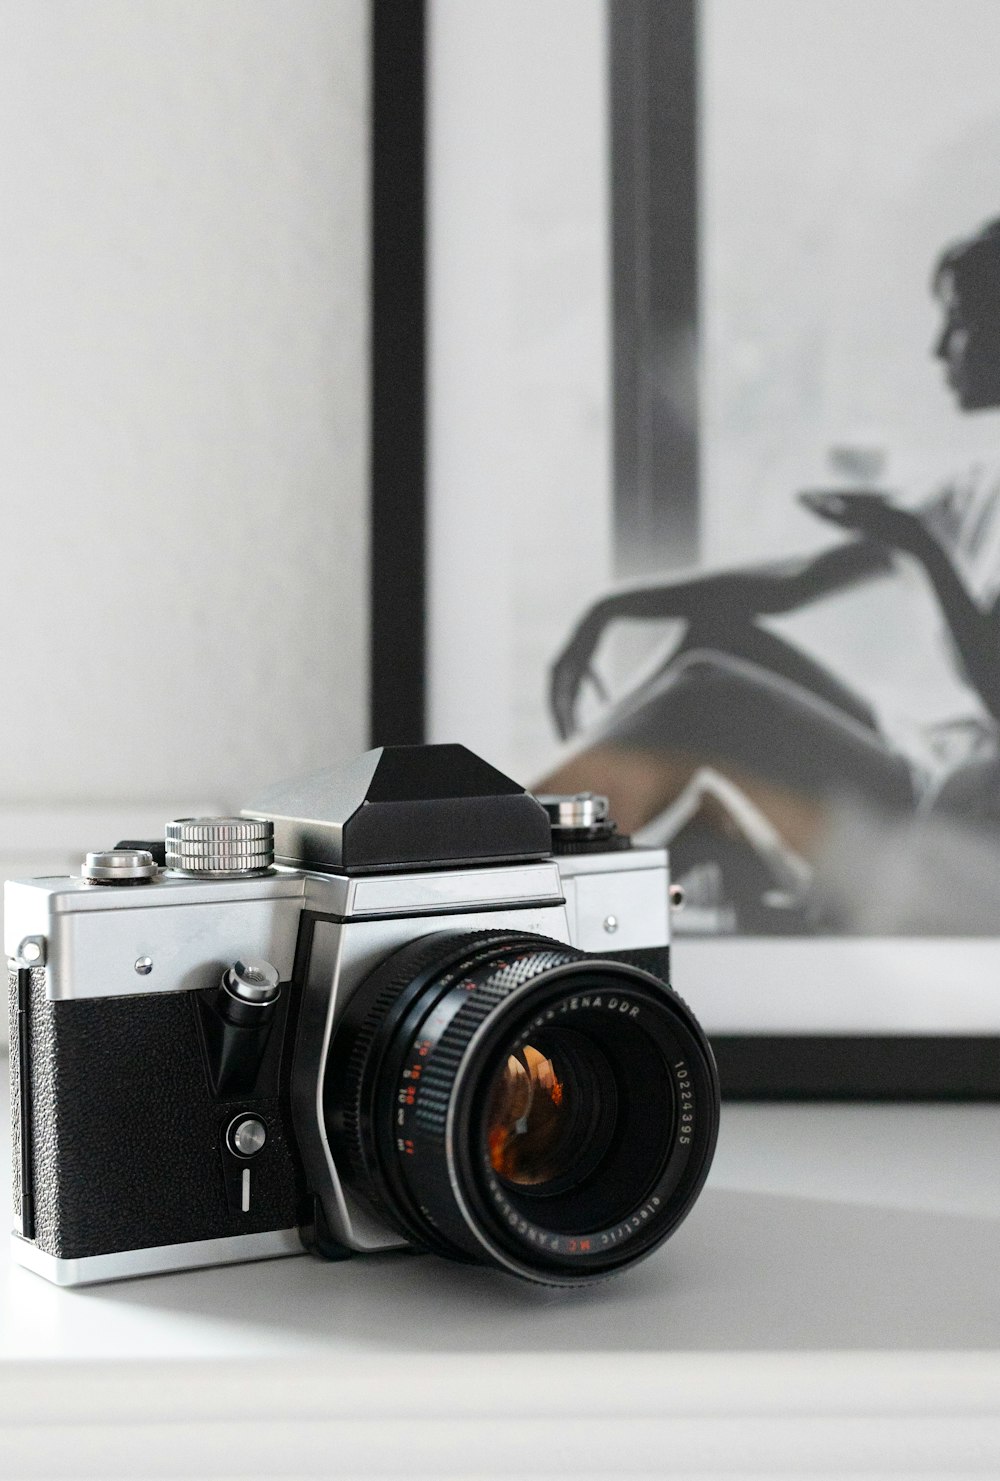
(510, 1100)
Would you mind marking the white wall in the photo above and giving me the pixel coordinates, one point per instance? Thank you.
(520, 360)
(183, 404)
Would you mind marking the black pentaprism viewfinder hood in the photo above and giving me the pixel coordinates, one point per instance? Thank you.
(424, 807)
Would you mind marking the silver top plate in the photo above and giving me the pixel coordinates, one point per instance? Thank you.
(186, 932)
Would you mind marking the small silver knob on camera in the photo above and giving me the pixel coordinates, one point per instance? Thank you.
(252, 980)
(119, 866)
(584, 810)
(220, 848)
(246, 1135)
(582, 824)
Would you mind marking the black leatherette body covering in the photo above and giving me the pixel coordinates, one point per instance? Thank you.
(37, 975)
(127, 1139)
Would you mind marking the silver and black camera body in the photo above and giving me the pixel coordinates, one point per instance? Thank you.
(401, 1004)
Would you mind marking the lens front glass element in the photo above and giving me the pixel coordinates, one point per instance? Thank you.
(581, 1121)
(550, 1112)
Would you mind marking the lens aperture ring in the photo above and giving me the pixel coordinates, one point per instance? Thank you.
(416, 974)
(347, 1099)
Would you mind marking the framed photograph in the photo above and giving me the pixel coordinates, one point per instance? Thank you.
(712, 494)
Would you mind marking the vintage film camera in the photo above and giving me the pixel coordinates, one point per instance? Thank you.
(400, 1004)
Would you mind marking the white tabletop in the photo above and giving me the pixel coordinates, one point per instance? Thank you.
(832, 1298)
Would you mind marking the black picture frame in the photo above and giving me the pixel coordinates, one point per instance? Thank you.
(653, 106)
(654, 130)
(398, 504)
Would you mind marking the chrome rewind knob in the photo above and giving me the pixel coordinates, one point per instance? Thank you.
(220, 848)
(119, 866)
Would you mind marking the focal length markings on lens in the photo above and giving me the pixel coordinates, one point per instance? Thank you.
(458, 979)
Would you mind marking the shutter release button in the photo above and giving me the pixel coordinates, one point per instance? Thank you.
(246, 1135)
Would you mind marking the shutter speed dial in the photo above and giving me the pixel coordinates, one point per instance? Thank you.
(220, 848)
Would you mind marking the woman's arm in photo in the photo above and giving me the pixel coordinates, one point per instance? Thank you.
(975, 632)
(711, 603)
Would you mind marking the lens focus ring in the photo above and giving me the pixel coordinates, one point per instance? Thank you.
(499, 981)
